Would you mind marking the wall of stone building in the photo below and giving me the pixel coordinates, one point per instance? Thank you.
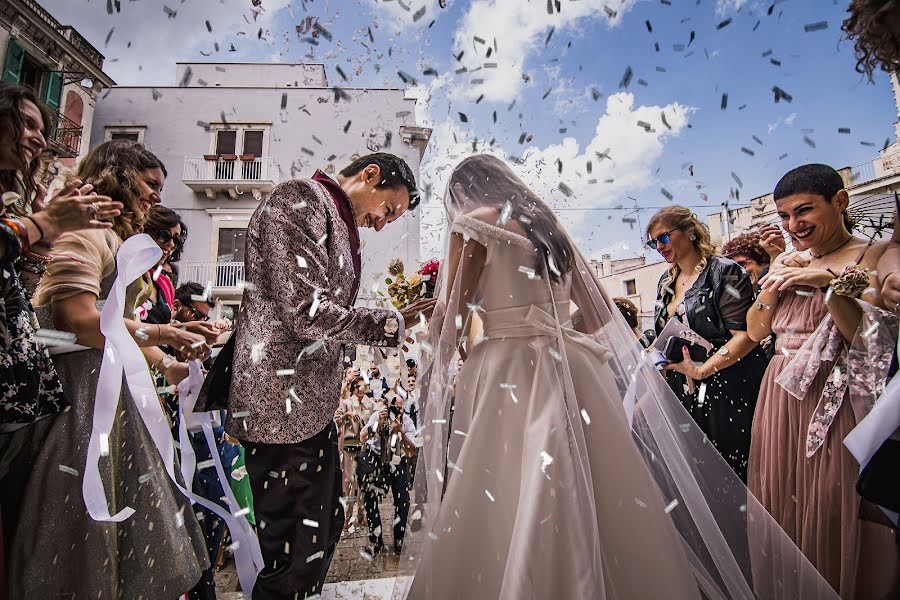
(306, 135)
(646, 279)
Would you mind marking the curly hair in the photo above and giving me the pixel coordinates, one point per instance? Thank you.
(876, 42)
(628, 310)
(23, 181)
(681, 217)
(114, 169)
(160, 219)
(748, 245)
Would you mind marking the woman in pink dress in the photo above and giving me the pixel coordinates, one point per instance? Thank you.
(834, 346)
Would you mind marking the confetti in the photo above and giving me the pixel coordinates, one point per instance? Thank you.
(68, 470)
(488, 494)
(671, 506)
(310, 523)
(815, 26)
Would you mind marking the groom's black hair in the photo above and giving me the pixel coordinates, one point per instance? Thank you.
(395, 173)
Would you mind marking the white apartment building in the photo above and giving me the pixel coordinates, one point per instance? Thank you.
(229, 132)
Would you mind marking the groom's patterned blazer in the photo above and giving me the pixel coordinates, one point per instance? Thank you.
(296, 316)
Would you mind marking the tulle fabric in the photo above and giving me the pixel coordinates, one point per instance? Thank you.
(626, 431)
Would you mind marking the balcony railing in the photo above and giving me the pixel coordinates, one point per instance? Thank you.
(75, 38)
(220, 275)
(258, 168)
(65, 136)
(875, 169)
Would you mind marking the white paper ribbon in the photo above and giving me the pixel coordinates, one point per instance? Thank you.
(121, 354)
(869, 434)
(247, 554)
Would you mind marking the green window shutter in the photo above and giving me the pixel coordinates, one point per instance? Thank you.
(15, 55)
(53, 98)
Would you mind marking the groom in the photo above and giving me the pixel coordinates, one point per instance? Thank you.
(302, 274)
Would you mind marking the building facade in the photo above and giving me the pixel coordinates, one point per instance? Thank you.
(229, 132)
(64, 70)
(634, 279)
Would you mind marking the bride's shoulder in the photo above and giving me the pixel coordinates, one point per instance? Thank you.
(491, 215)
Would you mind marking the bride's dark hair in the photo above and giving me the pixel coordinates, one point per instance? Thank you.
(488, 181)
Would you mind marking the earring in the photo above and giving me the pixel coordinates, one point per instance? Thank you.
(693, 238)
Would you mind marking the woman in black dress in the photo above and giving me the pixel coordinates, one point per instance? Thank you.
(711, 295)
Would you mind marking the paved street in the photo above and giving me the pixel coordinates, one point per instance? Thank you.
(373, 575)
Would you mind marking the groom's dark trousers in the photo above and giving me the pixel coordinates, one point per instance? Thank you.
(296, 497)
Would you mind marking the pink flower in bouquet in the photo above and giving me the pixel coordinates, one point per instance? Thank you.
(429, 273)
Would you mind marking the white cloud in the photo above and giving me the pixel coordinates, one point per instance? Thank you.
(787, 121)
(726, 6)
(632, 152)
(510, 31)
(158, 41)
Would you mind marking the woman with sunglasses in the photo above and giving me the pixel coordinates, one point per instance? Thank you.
(167, 228)
(711, 295)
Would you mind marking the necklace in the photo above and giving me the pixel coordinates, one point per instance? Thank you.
(818, 256)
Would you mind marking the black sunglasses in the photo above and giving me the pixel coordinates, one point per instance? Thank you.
(198, 316)
(662, 238)
(166, 236)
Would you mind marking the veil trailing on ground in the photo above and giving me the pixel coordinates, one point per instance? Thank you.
(732, 545)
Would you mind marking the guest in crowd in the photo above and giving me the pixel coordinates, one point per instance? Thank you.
(378, 385)
(352, 414)
(630, 312)
(390, 434)
(711, 295)
(800, 469)
(129, 559)
(31, 394)
(169, 232)
(747, 250)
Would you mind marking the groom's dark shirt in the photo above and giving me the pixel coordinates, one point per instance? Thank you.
(342, 202)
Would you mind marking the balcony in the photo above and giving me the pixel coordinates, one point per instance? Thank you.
(234, 175)
(225, 277)
(65, 137)
(876, 169)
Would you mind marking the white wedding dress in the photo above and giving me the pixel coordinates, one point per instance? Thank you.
(561, 465)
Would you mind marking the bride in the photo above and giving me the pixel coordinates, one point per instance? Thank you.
(560, 465)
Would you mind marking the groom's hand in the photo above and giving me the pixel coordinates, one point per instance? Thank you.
(424, 306)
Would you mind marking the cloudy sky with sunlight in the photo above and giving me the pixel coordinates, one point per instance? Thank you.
(605, 104)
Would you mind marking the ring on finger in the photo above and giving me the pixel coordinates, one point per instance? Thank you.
(93, 208)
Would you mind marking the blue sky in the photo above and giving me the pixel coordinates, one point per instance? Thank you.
(554, 82)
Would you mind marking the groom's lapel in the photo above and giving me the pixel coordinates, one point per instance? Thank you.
(345, 211)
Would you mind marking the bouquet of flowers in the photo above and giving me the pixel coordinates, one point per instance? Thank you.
(404, 289)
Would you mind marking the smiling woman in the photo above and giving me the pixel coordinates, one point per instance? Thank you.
(800, 469)
(79, 280)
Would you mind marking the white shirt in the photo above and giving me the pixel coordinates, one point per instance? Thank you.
(374, 440)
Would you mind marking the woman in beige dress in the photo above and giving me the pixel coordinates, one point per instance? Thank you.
(563, 466)
(832, 356)
(159, 552)
(352, 414)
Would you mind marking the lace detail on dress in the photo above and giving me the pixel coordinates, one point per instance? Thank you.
(868, 358)
(480, 230)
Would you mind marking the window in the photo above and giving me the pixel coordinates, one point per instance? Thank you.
(124, 135)
(134, 133)
(23, 69)
(230, 258)
(238, 150)
(630, 287)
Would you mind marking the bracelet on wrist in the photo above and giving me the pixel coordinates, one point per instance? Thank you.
(38, 227)
(21, 233)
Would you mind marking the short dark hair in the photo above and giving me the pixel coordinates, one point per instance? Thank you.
(814, 178)
(186, 291)
(395, 173)
(160, 219)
